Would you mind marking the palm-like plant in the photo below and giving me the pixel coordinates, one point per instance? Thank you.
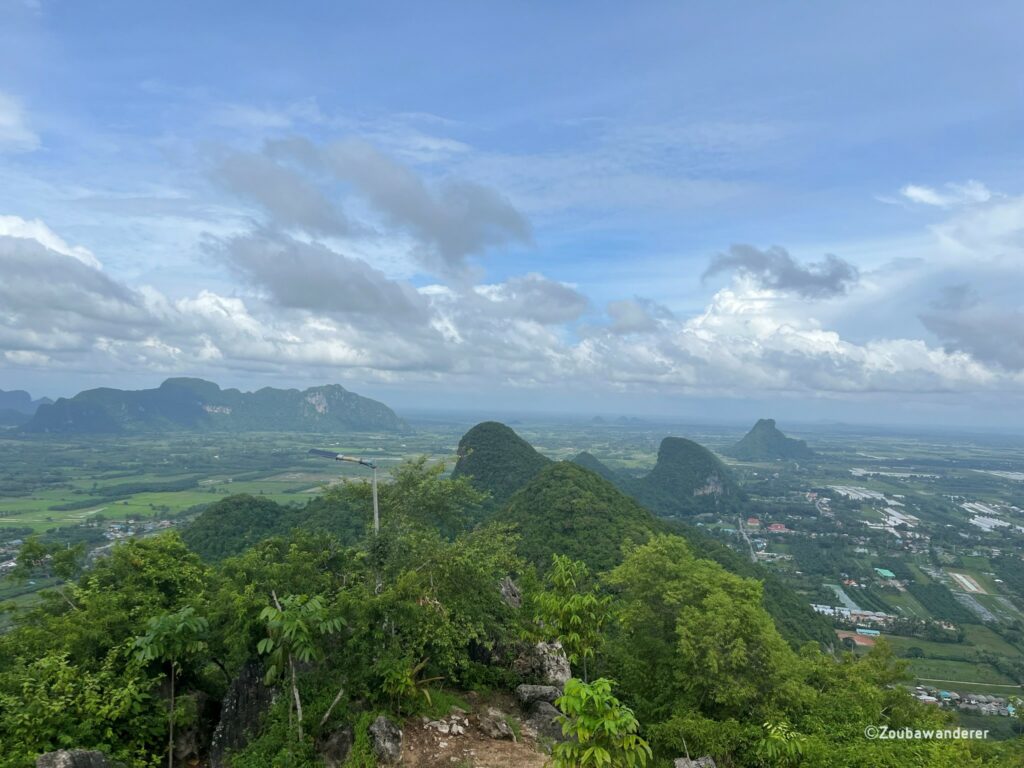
(295, 625)
(171, 638)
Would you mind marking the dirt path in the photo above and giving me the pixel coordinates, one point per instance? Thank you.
(425, 746)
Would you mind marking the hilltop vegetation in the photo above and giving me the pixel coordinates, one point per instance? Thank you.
(588, 461)
(497, 460)
(380, 621)
(571, 511)
(764, 442)
(195, 404)
(687, 479)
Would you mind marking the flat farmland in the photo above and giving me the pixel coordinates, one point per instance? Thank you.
(50, 483)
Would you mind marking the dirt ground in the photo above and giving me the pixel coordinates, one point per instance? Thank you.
(426, 747)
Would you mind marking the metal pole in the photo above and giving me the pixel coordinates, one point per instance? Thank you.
(376, 513)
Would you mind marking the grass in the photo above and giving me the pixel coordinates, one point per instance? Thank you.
(442, 702)
(987, 640)
(961, 673)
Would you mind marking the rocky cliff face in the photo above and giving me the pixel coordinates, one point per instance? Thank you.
(244, 705)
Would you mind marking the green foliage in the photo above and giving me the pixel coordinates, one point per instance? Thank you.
(570, 511)
(497, 460)
(295, 624)
(403, 681)
(573, 609)
(50, 703)
(172, 637)
(361, 755)
(687, 479)
(591, 463)
(781, 745)
(601, 731)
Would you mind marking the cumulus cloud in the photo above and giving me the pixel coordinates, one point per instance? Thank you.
(312, 276)
(34, 229)
(289, 199)
(951, 194)
(775, 268)
(15, 133)
(53, 301)
(533, 297)
(988, 332)
(637, 315)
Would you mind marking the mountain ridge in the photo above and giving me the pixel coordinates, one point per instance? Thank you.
(182, 404)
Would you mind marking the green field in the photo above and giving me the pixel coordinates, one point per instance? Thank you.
(941, 672)
(115, 478)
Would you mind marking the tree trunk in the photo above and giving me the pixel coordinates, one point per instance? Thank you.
(170, 730)
(295, 693)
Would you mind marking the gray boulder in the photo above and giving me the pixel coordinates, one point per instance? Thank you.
(335, 748)
(543, 722)
(242, 710)
(386, 741)
(698, 762)
(494, 725)
(527, 694)
(545, 663)
(75, 758)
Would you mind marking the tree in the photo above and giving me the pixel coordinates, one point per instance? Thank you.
(573, 609)
(64, 562)
(295, 625)
(171, 638)
(602, 732)
(781, 745)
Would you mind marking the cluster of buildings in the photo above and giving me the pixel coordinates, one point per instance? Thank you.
(8, 553)
(969, 703)
(126, 530)
(854, 615)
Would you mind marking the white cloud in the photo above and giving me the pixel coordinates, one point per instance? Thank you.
(15, 133)
(951, 195)
(34, 229)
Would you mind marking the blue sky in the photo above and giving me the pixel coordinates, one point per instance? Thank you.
(673, 208)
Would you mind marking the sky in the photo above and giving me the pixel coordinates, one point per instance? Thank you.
(720, 210)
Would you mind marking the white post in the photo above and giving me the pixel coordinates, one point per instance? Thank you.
(376, 514)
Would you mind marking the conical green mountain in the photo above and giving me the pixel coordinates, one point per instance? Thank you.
(766, 443)
(589, 461)
(497, 460)
(195, 404)
(687, 479)
(569, 510)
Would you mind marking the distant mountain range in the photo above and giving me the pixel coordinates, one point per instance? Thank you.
(17, 407)
(195, 404)
(764, 442)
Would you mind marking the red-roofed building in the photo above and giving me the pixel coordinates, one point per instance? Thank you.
(777, 528)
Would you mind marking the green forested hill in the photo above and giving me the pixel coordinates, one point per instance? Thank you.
(764, 442)
(497, 460)
(687, 479)
(567, 509)
(570, 510)
(187, 404)
(587, 460)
